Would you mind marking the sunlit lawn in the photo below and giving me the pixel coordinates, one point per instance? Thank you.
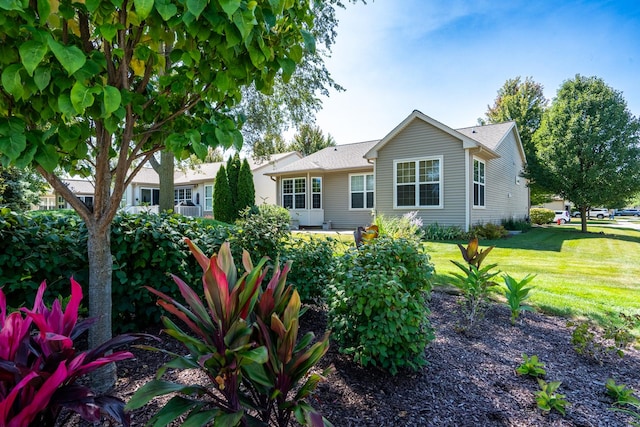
(593, 274)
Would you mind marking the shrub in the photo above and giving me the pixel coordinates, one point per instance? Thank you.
(407, 226)
(516, 293)
(377, 304)
(620, 393)
(541, 215)
(516, 225)
(443, 232)
(262, 231)
(245, 340)
(614, 338)
(488, 231)
(312, 266)
(40, 365)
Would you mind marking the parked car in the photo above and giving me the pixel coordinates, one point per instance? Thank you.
(562, 216)
(599, 213)
(628, 212)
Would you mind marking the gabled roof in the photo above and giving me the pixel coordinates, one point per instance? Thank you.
(340, 157)
(489, 135)
(467, 142)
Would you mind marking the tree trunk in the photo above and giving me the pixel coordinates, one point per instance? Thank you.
(100, 272)
(583, 218)
(165, 173)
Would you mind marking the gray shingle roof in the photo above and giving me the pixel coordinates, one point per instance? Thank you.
(340, 157)
(487, 135)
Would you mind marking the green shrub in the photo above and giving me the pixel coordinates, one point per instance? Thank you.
(312, 267)
(408, 225)
(541, 215)
(488, 231)
(443, 232)
(516, 225)
(377, 303)
(614, 338)
(262, 231)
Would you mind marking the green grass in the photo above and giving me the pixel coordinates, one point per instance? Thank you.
(594, 275)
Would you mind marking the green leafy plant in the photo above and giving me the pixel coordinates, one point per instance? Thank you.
(516, 293)
(613, 338)
(435, 231)
(516, 224)
(475, 283)
(377, 304)
(531, 366)
(262, 231)
(40, 365)
(632, 410)
(408, 225)
(314, 262)
(488, 231)
(541, 216)
(244, 338)
(549, 399)
(621, 393)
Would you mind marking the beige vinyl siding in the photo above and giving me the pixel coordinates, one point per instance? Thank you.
(504, 197)
(420, 140)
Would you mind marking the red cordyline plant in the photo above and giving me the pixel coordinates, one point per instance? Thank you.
(39, 364)
(244, 338)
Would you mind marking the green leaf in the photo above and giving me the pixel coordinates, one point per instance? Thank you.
(70, 57)
(65, 106)
(112, 99)
(230, 6)
(92, 5)
(13, 140)
(44, 9)
(228, 420)
(309, 41)
(108, 31)
(174, 408)
(42, 78)
(166, 9)
(295, 53)
(12, 82)
(199, 419)
(157, 388)
(257, 355)
(47, 157)
(81, 97)
(143, 8)
(31, 54)
(196, 7)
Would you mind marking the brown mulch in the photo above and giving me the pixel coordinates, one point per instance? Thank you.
(470, 379)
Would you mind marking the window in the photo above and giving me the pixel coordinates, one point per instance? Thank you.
(361, 190)
(208, 197)
(87, 200)
(418, 183)
(294, 193)
(150, 196)
(181, 195)
(478, 182)
(61, 203)
(316, 193)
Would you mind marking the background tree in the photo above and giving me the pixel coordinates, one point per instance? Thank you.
(310, 139)
(590, 145)
(20, 189)
(246, 187)
(524, 103)
(87, 90)
(268, 145)
(222, 203)
(233, 170)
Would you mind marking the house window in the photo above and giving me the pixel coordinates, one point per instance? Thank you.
(418, 183)
(181, 195)
(361, 190)
(316, 193)
(294, 193)
(61, 203)
(87, 200)
(208, 197)
(478, 182)
(149, 196)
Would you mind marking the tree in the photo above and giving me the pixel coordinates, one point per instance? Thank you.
(310, 139)
(233, 170)
(524, 103)
(267, 146)
(19, 189)
(87, 89)
(246, 187)
(590, 144)
(222, 203)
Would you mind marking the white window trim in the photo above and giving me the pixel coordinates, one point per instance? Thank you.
(204, 196)
(184, 198)
(151, 189)
(313, 192)
(364, 175)
(306, 196)
(473, 183)
(417, 160)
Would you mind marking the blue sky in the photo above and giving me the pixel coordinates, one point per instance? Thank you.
(448, 58)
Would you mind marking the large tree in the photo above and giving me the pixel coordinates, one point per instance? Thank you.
(87, 89)
(524, 103)
(310, 139)
(589, 143)
(20, 189)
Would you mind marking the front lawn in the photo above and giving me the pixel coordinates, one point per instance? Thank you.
(593, 274)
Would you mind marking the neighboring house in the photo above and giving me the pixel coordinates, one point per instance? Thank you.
(451, 177)
(193, 188)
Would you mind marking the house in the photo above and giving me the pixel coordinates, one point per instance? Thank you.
(193, 187)
(449, 176)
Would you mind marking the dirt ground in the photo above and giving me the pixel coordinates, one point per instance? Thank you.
(470, 379)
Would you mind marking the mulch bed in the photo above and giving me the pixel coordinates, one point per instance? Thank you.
(470, 379)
